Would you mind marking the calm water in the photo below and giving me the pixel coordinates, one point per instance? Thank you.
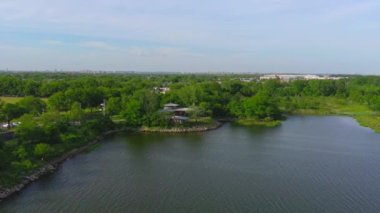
(309, 164)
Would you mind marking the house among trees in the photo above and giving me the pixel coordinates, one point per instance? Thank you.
(170, 107)
(179, 119)
(179, 113)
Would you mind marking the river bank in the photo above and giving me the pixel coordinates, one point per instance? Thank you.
(52, 166)
(48, 168)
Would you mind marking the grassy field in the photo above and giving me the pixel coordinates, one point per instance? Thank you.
(13, 100)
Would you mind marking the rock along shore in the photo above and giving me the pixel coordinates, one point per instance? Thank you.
(213, 126)
(52, 165)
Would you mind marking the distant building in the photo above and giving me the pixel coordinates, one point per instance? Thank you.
(292, 77)
(268, 77)
(247, 80)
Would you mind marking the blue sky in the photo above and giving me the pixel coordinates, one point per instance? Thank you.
(324, 36)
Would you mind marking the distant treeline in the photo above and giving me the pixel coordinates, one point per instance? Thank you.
(215, 93)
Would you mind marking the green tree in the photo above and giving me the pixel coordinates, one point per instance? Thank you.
(3, 160)
(23, 165)
(236, 108)
(159, 119)
(58, 101)
(32, 105)
(271, 87)
(29, 130)
(76, 112)
(261, 106)
(11, 111)
(43, 150)
(375, 103)
(21, 152)
(297, 87)
(93, 97)
(132, 113)
(150, 102)
(31, 87)
(113, 105)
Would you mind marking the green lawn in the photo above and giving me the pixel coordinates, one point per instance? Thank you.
(13, 100)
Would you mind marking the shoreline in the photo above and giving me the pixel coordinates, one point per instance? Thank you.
(52, 165)
(202, 128)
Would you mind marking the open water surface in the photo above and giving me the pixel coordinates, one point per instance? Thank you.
(308, 164)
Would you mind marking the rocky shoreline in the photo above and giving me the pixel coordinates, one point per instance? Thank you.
(52, 166)
(48, 168)
(215, 125)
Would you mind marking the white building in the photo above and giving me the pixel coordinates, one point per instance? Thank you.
(292, 77)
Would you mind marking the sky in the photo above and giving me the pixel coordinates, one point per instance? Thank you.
(283, 36)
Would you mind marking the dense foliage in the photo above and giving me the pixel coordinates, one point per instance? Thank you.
(62, 111)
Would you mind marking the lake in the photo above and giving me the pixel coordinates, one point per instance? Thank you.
(308, 164)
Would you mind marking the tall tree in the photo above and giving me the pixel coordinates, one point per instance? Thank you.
(32, 105)
(261, 106)
(43, 150)
(76, 112)
(11, 111)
